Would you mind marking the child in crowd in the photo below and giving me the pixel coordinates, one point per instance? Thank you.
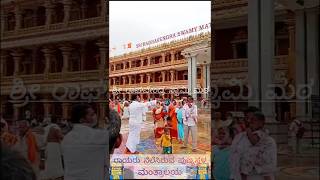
(166, 141)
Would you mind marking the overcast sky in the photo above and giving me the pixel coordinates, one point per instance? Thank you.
(139, 21)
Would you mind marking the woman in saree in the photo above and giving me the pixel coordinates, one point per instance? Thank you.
(158, 115)
(179, 111)
(174, 122)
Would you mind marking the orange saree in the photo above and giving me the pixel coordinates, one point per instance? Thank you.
(174, 121)
(158, 116)
(32, 147)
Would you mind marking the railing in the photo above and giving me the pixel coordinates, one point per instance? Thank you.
(52, 27)
(59, 76)
(178, 83)
(242, 64)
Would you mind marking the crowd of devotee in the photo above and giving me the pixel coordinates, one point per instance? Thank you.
(52, 148)
(243, 147)
(174, 121)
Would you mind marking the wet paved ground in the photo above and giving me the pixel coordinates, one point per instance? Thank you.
(304, 166)
(148, 144)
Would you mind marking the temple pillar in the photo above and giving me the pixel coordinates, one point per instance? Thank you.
(163, 76)
(148, 78)
(48, 54)
(103, 58)
(261, 56)
(171, 75)
(66, 52)
(4, 17)
(206, 78)
(192, 73)
(18, 17)
(17, 57)
(84, 8)
(163, 58)
(123, 80)
(82, 57)
(141, 78)
(49, 11)
(130, 79)
(66, 7)
(103, 8)
(149, 60)
(172, 56)
(3, 64)
(114, 80)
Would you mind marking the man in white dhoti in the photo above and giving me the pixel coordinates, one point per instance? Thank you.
(136, 111)
(53, 161)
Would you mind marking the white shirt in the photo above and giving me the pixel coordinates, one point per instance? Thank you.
(137, 110)
(259, 159)
(190, 115)
(84, 151)
(125, 112)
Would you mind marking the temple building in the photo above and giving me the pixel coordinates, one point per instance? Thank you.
(162, 71)
(57, 49)
(60, 46)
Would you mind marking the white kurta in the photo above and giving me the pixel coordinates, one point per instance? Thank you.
(136, 111)
(84, 150)
(125, 113)
(53, 163)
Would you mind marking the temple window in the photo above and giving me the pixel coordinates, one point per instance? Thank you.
(75, 12)
(198, 73)
(41, 16)
(167, 59)
(157, 59)
(59, 13)
(281, 40)
(240, 44)
(93, 8)
(27, 18)
(11, 22)
(75, 60)
(145, 62)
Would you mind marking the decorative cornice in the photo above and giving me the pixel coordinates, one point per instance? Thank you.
(177, 44)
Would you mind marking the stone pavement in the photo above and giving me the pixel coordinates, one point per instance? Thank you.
(303, 166)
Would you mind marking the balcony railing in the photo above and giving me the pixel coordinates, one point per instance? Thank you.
(166, 84)
(53, 77)
(54, 27)
(239, 65)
